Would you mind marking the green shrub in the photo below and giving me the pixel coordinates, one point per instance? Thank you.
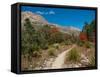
(88, 44)
(45, 46)
(36, 54)
(68, 42)
(80, 43)
(74, 55)
(56, 46)
(51, 51)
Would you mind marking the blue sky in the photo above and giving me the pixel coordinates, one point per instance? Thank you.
(63, 17)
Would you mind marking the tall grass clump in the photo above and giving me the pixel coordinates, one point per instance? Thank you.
(74, 55)
(51, 51)
(92, 61)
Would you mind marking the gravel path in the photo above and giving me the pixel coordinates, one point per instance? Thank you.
(59, 61)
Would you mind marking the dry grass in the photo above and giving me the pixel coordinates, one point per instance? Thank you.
(51, 51)
(91, 57)
(74, 55)
(92, 61)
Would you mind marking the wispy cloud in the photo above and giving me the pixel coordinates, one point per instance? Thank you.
(51, 12)
(39, 12)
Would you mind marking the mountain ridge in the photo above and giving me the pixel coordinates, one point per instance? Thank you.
(40, 20)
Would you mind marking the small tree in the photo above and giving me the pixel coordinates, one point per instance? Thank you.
(83, 36)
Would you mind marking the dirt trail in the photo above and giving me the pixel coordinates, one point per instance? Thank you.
(59, 61)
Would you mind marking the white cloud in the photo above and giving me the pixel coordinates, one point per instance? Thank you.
(39, 12)
(46, 13)
(51, 12)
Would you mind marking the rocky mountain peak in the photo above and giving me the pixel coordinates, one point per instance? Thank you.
(33, 17)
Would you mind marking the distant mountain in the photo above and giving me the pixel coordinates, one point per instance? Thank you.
(37, 20)
(34, 18)
(70, 30)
